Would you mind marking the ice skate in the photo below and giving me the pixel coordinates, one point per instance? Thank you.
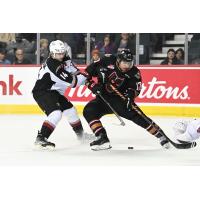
(42, 143)
(101, 143)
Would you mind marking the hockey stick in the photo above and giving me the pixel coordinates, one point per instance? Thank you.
(176, 145)
(122, 123)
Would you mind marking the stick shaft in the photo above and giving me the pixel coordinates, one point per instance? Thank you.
(116, 114)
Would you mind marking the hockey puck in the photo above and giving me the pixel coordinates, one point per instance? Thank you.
(130, 148)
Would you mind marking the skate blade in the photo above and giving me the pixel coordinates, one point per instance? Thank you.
(101, 147)
(40, 147)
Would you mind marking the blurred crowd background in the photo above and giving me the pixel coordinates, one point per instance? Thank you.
(83, 48)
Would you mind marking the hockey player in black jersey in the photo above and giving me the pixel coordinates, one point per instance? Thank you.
(54, 77)
(119, 73)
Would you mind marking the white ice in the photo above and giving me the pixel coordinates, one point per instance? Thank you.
(18, 133)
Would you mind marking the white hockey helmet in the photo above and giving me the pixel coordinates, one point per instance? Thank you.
(180, 127)
(57, 46)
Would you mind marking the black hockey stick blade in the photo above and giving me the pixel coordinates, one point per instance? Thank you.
(183, 145)
(186, 145)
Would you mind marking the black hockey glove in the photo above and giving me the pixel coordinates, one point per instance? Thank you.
(130, 95)
(94, 87)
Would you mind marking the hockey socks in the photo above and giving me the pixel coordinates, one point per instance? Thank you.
(41, 139)
(155, 130)
(96, 127)
(77, 127)
(102, 142)
(47, 129)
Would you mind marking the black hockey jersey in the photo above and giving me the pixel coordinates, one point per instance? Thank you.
(56, 75)
(107, 72)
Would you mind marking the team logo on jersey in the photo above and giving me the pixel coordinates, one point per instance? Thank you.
(198, 130)
(115, 80)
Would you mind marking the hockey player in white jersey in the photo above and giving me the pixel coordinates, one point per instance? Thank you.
(54, 77)
(187, 131)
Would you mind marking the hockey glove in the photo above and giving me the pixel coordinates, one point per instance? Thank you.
(94, 87)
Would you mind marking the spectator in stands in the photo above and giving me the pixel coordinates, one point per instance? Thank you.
(21, 43)
(44, 51)
(100, 36)
(180, 55)
(7, 37)
(95, 55)
(3, 59)
(19, 57)
(105, 47)
(170, 59)
(126, 41)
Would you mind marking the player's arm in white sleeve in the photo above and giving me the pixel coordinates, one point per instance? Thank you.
(78, 77)
(187, 131)
(193, 129)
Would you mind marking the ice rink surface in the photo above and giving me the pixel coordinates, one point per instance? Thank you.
(18, 133)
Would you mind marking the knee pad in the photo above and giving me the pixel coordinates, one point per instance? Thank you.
(71, 114)
(54, 117)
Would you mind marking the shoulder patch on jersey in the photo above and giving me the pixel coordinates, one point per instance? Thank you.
(198, 130)
(137, 75)
(110, 67)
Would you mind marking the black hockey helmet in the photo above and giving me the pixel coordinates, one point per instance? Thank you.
(125, 55)
(125, 60)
